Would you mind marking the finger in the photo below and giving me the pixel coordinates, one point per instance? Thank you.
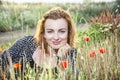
(68, 45)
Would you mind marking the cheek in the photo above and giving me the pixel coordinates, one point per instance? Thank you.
(46, 36)
(64, 39)
(47, 39)
(64, 36)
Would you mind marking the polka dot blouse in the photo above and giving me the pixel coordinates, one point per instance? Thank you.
(23, 48)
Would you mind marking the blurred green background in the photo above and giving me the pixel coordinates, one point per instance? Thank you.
(14, 16)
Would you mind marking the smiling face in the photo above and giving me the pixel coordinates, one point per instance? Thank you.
(56, 32)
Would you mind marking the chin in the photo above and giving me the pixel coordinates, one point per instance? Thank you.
(56, 46)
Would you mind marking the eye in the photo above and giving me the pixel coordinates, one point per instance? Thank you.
(62, 31)
(49, 31)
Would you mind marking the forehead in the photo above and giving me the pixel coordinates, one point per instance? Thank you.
(56, 23)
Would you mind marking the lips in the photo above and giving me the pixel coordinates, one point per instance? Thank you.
(56, 42)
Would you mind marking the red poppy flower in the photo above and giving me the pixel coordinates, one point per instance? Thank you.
(17, 65)
(64, 64)
(92, 54)
(102, 50)
(0, 50)
(86, 38)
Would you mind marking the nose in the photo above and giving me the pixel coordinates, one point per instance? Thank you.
(56, 36)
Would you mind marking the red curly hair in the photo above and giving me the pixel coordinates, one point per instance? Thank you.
(54, 13)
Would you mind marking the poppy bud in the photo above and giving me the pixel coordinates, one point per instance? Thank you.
(102, 50)
(86, 38)
(92, 54)
(0, 50)
(64, 64)
(17, 65)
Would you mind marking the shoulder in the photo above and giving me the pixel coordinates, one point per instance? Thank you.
(24, 41)
(27, 39)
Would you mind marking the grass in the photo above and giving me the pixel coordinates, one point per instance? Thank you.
(103, 66)
(18, 16)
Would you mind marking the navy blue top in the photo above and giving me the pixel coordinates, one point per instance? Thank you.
(23, 48)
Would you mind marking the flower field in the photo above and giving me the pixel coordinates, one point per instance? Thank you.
(98, 48)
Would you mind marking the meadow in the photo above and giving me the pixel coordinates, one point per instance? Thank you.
(98, 50)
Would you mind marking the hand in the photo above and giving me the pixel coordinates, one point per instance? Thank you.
(63, 51)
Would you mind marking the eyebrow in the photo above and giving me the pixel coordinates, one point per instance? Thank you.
(63, 29)
(59, 29)
(49, 29)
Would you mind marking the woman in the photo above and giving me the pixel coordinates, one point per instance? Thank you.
(54, 37)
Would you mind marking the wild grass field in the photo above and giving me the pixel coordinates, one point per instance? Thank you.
(98, 50)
